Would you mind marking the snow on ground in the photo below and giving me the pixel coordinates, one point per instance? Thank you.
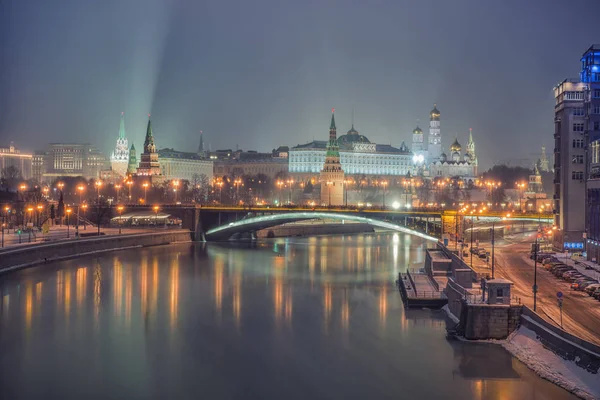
(523, 344)
(449, 313)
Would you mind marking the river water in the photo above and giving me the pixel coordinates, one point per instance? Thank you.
(309, 318)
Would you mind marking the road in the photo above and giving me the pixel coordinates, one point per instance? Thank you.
(581, 313)
(12, 239)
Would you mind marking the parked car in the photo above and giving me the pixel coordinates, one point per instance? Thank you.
(596, 294)
(551, 265)
(474, 249)
(558, 272)
(482, 253)
(580, 283)
(584, 285)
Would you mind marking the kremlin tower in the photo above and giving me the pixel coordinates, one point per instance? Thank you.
(120, 155)
(149, 165)
(332, 175)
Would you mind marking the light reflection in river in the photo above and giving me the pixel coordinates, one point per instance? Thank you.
(187, 319)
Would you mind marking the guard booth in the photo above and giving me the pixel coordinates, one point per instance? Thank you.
(498, 291)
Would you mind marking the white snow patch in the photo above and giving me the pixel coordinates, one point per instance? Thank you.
(449, 313)
(524, 345)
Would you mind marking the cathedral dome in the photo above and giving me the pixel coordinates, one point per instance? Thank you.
(443, 157)
(435, 113)
(455, 147)
(417, 130)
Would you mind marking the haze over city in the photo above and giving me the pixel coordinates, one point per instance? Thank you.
(262, 74)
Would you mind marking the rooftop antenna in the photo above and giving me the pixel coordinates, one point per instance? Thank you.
(352, 117)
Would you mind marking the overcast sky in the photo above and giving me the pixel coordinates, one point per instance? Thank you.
(259, 74)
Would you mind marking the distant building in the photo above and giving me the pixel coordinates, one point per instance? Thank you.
(434, 148)
(69, 159)
(332, 174)
(12, 157)
(544, 164)
(358, 156)
(569, 167)
(149, 165)
(456, 165)
(181, 165)
(269, 166)
(120, 155)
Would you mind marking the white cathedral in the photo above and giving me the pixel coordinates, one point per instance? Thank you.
(433, 162)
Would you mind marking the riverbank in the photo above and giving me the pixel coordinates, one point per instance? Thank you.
(23, 257)
(313, 229)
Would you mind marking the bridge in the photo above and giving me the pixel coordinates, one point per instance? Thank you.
(220, 223)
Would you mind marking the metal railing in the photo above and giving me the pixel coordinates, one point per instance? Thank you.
(427, 294)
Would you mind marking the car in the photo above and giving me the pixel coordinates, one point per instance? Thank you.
(570, 276)
(592, 288)
(584, 285)
(474, 249)
(596, 294)
(553, 264)
(558, 272)
(561, 267)
(482, 253)
(580, 283)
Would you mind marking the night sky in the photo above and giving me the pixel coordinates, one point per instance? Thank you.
(259, 74)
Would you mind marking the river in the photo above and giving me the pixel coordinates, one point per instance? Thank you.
(301, 318)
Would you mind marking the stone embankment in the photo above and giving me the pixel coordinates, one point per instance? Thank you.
(22, 257)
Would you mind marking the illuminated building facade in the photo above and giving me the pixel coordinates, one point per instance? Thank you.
(456, 164)
(12, 157)
(182, 165)
(358, 156)
(590, 75)
(434, 149)
(70, 159)
(120, 155)
(569, 167)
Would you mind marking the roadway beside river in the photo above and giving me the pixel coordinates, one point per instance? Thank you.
(581, 313)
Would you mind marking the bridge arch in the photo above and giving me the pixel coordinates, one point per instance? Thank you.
(256, 223)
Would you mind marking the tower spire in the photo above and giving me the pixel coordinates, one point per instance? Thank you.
(122, 126)
(332, 125)
(352, 117)
(201, 145)
(149, 146)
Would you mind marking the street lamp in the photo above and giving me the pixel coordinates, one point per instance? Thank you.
(129, 183)
(156, 208)
(347, 182)
(68, 215)
(175, 187)
(80, 189)
(84, 206)
(384, 184)
(98, 186)
(145, 186)
(4, 219)
(535, 254)
(120, 209)
(118, 189)
(40, 207)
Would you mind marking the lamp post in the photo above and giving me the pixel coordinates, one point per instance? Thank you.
(472, 226)
(40, 207)
(80, 189)
(84, 206)
(98, 186)
(291, 183)
(118, 189)
(129, 183)
(535, 256)
(175, 187)
(145, 186)
(347, 182)
(68, 215)
(156, 208)
(4, 219)
(120, 209)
